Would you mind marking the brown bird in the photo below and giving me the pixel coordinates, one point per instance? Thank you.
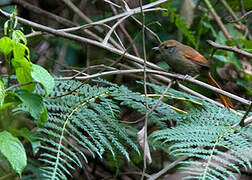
(185, 60)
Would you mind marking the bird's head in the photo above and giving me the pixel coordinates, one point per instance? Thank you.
(169, 47)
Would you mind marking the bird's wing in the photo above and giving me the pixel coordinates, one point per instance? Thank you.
(196, 57)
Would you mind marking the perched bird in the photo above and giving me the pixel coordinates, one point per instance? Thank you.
(185, 60)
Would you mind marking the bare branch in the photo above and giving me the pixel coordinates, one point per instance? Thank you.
(229, 48)
(80, 39)
(246, 14)
(218, 20)
(105, 41)
(130, 12)
(166, 168)
(176, 76)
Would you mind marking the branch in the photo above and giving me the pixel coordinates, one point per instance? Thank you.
(228, 48)
(80, 39)
(167, 168)
(246, 14)
(146, 149)
(120, 21)
(105, 41)
(18, 85)
(80, 13)
(131, 12)
(218, 20)
(127, 13)
(125, 32)
(171, 75)
(158, 74)
(59, 19)
(242, 122)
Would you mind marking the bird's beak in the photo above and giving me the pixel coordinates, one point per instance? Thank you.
(156, 48)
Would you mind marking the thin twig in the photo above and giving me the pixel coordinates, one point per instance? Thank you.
(167, 168)
(242, 123)
(101, 23)
(171, 75)
(246, 14)
(88, 20)
(217, 19)
(59, 19)
(34, 33)
(242, 7)
(118, 38)
(248, 120)
(236, 19)
(80, 14)
(112, 3)
(18, 85)
(146, 145)
(148, 29)
(126, 7)
(105, 41)
(232, 13)
(119, 52)
(157, 103)
(130, 12)
(229, 48)
(125, 32)
(63, 21)
(79, 39)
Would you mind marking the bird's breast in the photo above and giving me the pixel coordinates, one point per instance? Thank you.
(181, 65)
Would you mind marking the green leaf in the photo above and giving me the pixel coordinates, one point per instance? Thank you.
(6, 45)
(182, 26)
(247, 44)
(6, 26)
(42, 76)
(29, 136)
(164, 65)
(14, 151)
(43, 118)
(220, 58)
(33, 103)
(10, 99)
(246, 83)
(208, 25)
(21, 63)
(23, 72)
(234, 32)
(221, 39)
(2, 93)
(18, 35)
(24, 76)
(19, 51)
(231, 58)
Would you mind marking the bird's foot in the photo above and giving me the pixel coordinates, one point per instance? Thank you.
(188, 76)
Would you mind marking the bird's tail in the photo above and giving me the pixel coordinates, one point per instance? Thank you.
(224, 100)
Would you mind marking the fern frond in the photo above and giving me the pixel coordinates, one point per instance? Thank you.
(208, 137)
(83, 117)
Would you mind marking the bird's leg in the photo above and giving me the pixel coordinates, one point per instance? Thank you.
(188, 77)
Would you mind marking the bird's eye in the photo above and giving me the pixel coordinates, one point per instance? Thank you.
(169, 47)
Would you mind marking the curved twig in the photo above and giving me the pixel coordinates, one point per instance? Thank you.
(228, 48)
(105, 41)
(240, 18)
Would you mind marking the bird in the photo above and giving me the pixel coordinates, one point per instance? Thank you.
(185, 60)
